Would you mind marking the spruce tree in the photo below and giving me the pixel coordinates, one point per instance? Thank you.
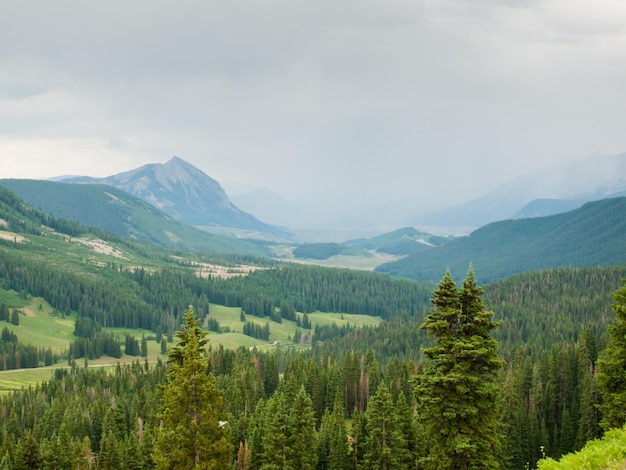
(110, 456)
(611, 367)
(457, 390)
(193, 431)
(275, 435)
(385, 446)
(338, 454)
(302, 439)
(27, 453)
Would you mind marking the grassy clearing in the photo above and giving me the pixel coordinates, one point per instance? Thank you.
(12, 299)
(229, 317)
(235, 340)
(16, 379)
(324, 318)
(39, 326)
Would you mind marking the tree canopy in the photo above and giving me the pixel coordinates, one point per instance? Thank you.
(193, 432)
(457, 390)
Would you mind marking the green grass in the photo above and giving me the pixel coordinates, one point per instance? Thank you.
(12, 299)
(324, 318)
(16, 379)
(38, 326)
(229, 317)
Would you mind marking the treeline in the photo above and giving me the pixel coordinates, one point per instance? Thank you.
(538, 311)
(9, 315)
(544, 308)
(113, 297)
(311, 288)
(593, 235)
(98, 345)
(257, 331)
(546, 407)
(320, 250)
(21, 217)
(83, 418)
(16, 355)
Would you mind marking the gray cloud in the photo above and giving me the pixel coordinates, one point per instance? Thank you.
(349, 100)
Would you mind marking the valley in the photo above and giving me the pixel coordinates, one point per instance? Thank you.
(342, 321)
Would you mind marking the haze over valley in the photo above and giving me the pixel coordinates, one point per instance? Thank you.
(323, 235)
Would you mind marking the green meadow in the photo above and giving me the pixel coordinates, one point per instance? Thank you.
(40, 325)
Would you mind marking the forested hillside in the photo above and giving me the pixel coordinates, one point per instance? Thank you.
(404, 241)
(548, 388)
(115, 211)
(593, 235)
(551, 328)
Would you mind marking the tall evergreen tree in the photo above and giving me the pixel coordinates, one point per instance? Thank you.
(338, 455)
(275, 435)
(385, 446)
(27, 453)
(457, 390)
(193, 432)
(302, 451)
(611, 367)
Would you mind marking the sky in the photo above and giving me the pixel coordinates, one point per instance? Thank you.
(328, 103)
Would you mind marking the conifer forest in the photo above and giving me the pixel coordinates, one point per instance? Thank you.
(456, 376)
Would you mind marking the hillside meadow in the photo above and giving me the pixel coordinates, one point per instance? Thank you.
(41, 325)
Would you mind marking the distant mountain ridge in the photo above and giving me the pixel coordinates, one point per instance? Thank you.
(592, 235)
(185, 193)
(272, 208)
(577, 181)
(125, 215)
(404, 241)
(557, 188)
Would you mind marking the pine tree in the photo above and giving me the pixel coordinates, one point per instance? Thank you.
(457, 389)
(611, 367)
(110, 456)
(27, 453)
(338, 455)
(144, 346)
(406, 428)
(193, 431)
(275, 435)
(385, 446)
(302, 450)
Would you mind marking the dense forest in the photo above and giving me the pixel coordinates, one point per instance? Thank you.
(593, 235)
(536, 355)
(548, 390)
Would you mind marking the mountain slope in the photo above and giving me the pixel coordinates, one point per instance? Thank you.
(592, 178)
(593, 235)
(404, 241)
(125, 215)
(185, 193)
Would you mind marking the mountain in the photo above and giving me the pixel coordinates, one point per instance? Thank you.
(545, 207)
(592, 235)
(404, 241)
(120, 213)
(187, 194)
(271, 207)
(592, 178)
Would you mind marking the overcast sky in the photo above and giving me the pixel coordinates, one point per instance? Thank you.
(343, 101)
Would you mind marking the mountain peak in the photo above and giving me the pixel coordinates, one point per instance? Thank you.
(177, 162)
(184, 192)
